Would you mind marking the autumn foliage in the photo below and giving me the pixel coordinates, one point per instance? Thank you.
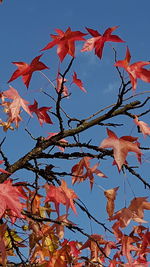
(37, 211)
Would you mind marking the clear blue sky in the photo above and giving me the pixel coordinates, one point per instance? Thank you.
(25, 26)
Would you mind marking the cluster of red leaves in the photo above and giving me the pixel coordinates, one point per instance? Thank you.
(66, 45)
(13, 109)
(44, 238)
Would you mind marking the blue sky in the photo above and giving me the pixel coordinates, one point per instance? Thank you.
(25, 26)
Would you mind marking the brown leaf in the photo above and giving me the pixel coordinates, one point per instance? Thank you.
(111, 196)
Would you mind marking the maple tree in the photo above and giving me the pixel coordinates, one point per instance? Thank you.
(40, 198)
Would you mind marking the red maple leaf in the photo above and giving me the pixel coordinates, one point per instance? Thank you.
(61, 194)
(13, 108)
(121, 146)
(10, 203)
(26, 70)
(98, 41)
(78, 174)
(41, 113)
(134, 70)
(78, 82)
(144, 128)
(65, 41)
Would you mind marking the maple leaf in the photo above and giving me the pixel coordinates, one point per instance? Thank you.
(78, 82)
(61, 194)
(111, 196)
(127, 247)
(60, 257)
(78, 174)
(59, 86)
(90, 243)
(74, 251)
(121, 146)
(124, 216)
(1, 170)
(62, 140)
(138, 205)
(134, 70)
(65, 41)
(26, 70)
(41, 113)
(13, 108)
(70, 195)
(60, 227)
(98, 40)
(144, 128)
(72, 247)
(54, 194)
(134, 212)
(9, 196)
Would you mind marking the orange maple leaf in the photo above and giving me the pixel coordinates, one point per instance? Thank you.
(134, 212)
(78, 174)
(93, 246)
(127, 247)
